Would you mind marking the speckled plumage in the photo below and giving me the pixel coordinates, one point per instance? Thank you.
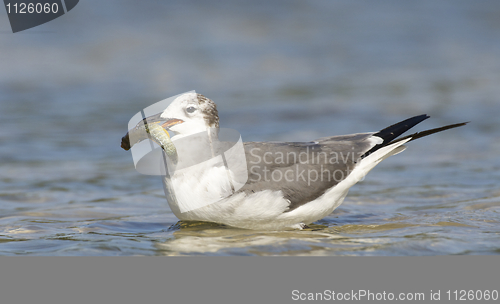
(209, 108)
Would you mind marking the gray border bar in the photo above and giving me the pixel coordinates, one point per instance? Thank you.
(235, 279)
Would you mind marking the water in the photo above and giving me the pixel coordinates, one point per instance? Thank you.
(278, 70)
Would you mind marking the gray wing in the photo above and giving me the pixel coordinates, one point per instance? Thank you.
(303, 171)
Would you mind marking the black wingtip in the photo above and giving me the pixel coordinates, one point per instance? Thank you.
(390, 134)
(431, 131)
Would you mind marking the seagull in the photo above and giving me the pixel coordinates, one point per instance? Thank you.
(287, 185)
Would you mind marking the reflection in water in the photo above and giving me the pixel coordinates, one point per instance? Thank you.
(209, 238)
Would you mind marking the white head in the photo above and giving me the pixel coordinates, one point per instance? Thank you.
(190, 113)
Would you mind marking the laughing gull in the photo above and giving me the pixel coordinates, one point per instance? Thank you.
(287, 185)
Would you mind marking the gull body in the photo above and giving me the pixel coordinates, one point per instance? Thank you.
(261, 203)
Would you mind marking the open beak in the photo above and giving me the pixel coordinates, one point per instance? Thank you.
(138, 134)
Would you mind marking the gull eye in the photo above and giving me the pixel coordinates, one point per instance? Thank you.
(190, 109)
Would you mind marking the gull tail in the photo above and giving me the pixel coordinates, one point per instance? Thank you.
(389, 135)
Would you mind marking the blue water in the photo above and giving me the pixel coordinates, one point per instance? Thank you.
(280, 70)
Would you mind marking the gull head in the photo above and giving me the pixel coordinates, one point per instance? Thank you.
(190, 113)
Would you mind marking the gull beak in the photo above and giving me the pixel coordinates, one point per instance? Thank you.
(138, 134)
(171, 122)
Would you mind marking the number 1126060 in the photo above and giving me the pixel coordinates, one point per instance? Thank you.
(472, 295)
(32, 8)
